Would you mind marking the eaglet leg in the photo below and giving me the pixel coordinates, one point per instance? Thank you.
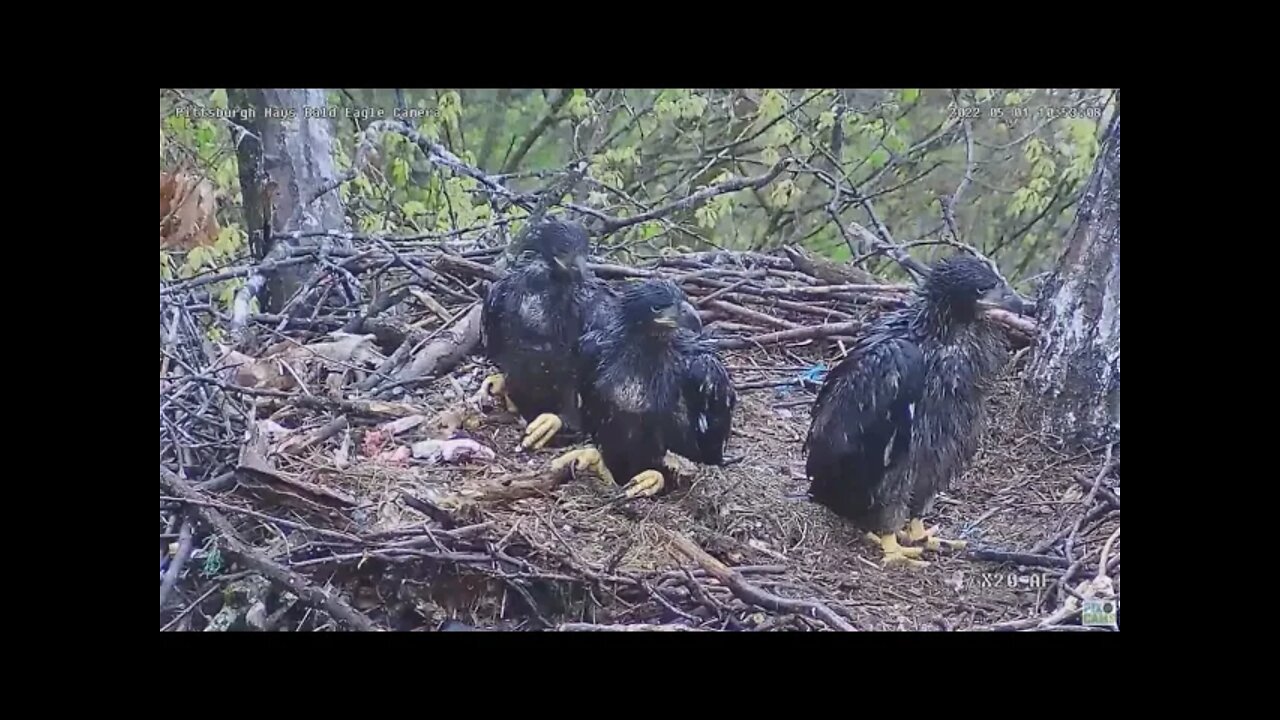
(645, 484)
(895, 554)
(583, 460)
(916, 532)
(651, 482)
(541, 430)
(496, 384)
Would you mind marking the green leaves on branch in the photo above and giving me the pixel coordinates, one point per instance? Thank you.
(578, 105)
(712, 211)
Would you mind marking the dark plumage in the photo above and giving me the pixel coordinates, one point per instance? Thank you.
(532, 320)
(651, 383)
(899, 418)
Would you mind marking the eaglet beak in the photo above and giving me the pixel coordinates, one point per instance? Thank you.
(1003, 297)
(689, 317)
(669, 318)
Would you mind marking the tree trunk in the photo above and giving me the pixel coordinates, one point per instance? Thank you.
(280, 179)
(1074, 376)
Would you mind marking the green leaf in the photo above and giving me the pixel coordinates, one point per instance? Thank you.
(826, 120)
(578, 105)
(706, 217)
(1013, 98)
(450, 108)
(909, 95)
(218, 99)
(400, 172)
(228, 241)
(205, 133)
(770, 156)
(369, 223)
(1045, 168)
(878, 159)
(780, 195)
(414, 208)
(784, 132)
(771, 106)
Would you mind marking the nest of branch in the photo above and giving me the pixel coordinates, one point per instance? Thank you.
(319, 481)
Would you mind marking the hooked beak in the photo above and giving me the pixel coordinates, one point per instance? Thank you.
(689, 317)
(581, 264)
(670, 318)
(1004, 298)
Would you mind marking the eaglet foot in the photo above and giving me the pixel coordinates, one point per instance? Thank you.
(583, 460)
(916, 532)
(493, 386)
(541, 430)
(895, 554)
(646, 484)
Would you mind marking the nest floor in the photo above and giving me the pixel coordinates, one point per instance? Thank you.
(437, 546)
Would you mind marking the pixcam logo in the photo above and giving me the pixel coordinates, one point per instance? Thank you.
(1100, 613)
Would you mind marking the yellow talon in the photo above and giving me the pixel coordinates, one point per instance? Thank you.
(541, 430)
(916, 532)
(646, 484)
(495, 385)
(895, 554)
(583, 460)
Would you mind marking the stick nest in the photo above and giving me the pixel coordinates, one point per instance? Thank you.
(312, 480)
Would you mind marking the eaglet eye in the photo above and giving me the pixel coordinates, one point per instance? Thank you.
(655, 309)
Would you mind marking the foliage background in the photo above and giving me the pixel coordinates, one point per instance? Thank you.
(899, 156)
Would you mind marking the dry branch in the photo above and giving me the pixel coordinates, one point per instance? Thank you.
(750, 593)
(732, 185)
(241, 551)
(443, 353)
(796, 335)
(588, 627)
(185, 539)
(826, 270)
(747, 314)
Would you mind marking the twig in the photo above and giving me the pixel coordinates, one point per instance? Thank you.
(749, 593)
(185, 544)
(803, 333)
(1106, 553)
(1096, 487)
(239, 550)
(553, 112)
(203, 502)
(589, 627)
(747, 314)
(732, 185)
(192, 606)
